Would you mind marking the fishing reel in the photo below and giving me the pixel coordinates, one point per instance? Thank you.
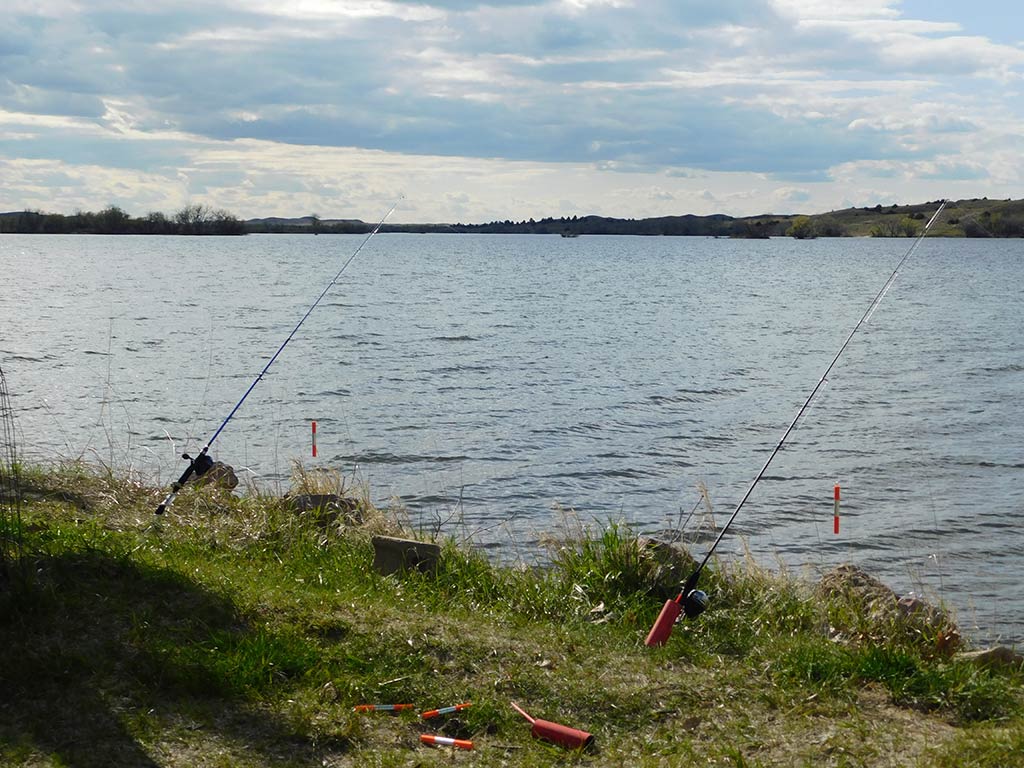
(200, 465)
(695, 603)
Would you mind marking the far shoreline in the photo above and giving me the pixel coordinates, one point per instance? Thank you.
(972, 218)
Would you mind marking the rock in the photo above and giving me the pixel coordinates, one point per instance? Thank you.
(674, 563)
(329, 508)
(849, 580)
(306, 502)
(915, 608)
(391, 555)
(1000, 656)
(220, 474)
(884, 613)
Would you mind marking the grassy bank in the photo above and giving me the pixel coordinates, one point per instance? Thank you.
(237, 631)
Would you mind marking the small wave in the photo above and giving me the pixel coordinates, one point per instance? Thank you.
(430, 499)
(404, 428)
(598, 474)
(787, 478)
(384, 457)
(986, 370)
(687, 396)
(454, 338)
(693, 437)
(591, 430)
(460, 369)
(992, 464)
(31, 359)
(94, 352)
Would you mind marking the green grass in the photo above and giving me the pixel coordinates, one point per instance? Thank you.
(235, 631)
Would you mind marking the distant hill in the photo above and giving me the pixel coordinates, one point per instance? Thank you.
(304, 224)
(977, 217)
(718, 225)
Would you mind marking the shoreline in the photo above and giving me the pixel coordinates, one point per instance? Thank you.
(249, 628)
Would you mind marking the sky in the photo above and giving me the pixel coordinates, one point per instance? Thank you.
(471, 112)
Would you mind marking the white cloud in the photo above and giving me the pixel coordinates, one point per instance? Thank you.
(838, 9)
(763, 101)
(787, 196)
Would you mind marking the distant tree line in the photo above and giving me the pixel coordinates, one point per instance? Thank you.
(708, 226)
(195, 219)
(808, 227)
(718, 225)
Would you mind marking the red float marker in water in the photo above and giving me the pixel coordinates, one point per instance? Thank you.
(314, 439)
(835, 513)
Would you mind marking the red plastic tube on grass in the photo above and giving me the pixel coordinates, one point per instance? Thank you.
(556, 733)
(666, 620)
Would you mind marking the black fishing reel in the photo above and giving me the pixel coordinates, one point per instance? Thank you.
(695, 603)
(200, 465)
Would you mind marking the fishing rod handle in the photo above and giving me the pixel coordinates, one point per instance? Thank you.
(203, 462)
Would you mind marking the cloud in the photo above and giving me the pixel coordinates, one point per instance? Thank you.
(788, 196)
(795, 91)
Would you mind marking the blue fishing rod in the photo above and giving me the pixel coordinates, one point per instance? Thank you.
(202, 463)
(693, 601)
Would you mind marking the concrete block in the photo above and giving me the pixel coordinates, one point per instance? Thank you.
(391, 555)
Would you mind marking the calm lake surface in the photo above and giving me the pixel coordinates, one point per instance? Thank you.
(490, 382)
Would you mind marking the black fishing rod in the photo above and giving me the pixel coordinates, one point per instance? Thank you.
(693, 601)
(202, 463)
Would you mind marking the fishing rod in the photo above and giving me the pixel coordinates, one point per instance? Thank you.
(202, 463)
(693, 601)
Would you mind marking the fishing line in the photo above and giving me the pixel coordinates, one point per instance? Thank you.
(206, 386)
(693, 601)
(202, 463)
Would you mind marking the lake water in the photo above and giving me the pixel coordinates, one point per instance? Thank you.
(489, 382)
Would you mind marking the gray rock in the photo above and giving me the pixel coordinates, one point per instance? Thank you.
(391, 555)
(1000, 656)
